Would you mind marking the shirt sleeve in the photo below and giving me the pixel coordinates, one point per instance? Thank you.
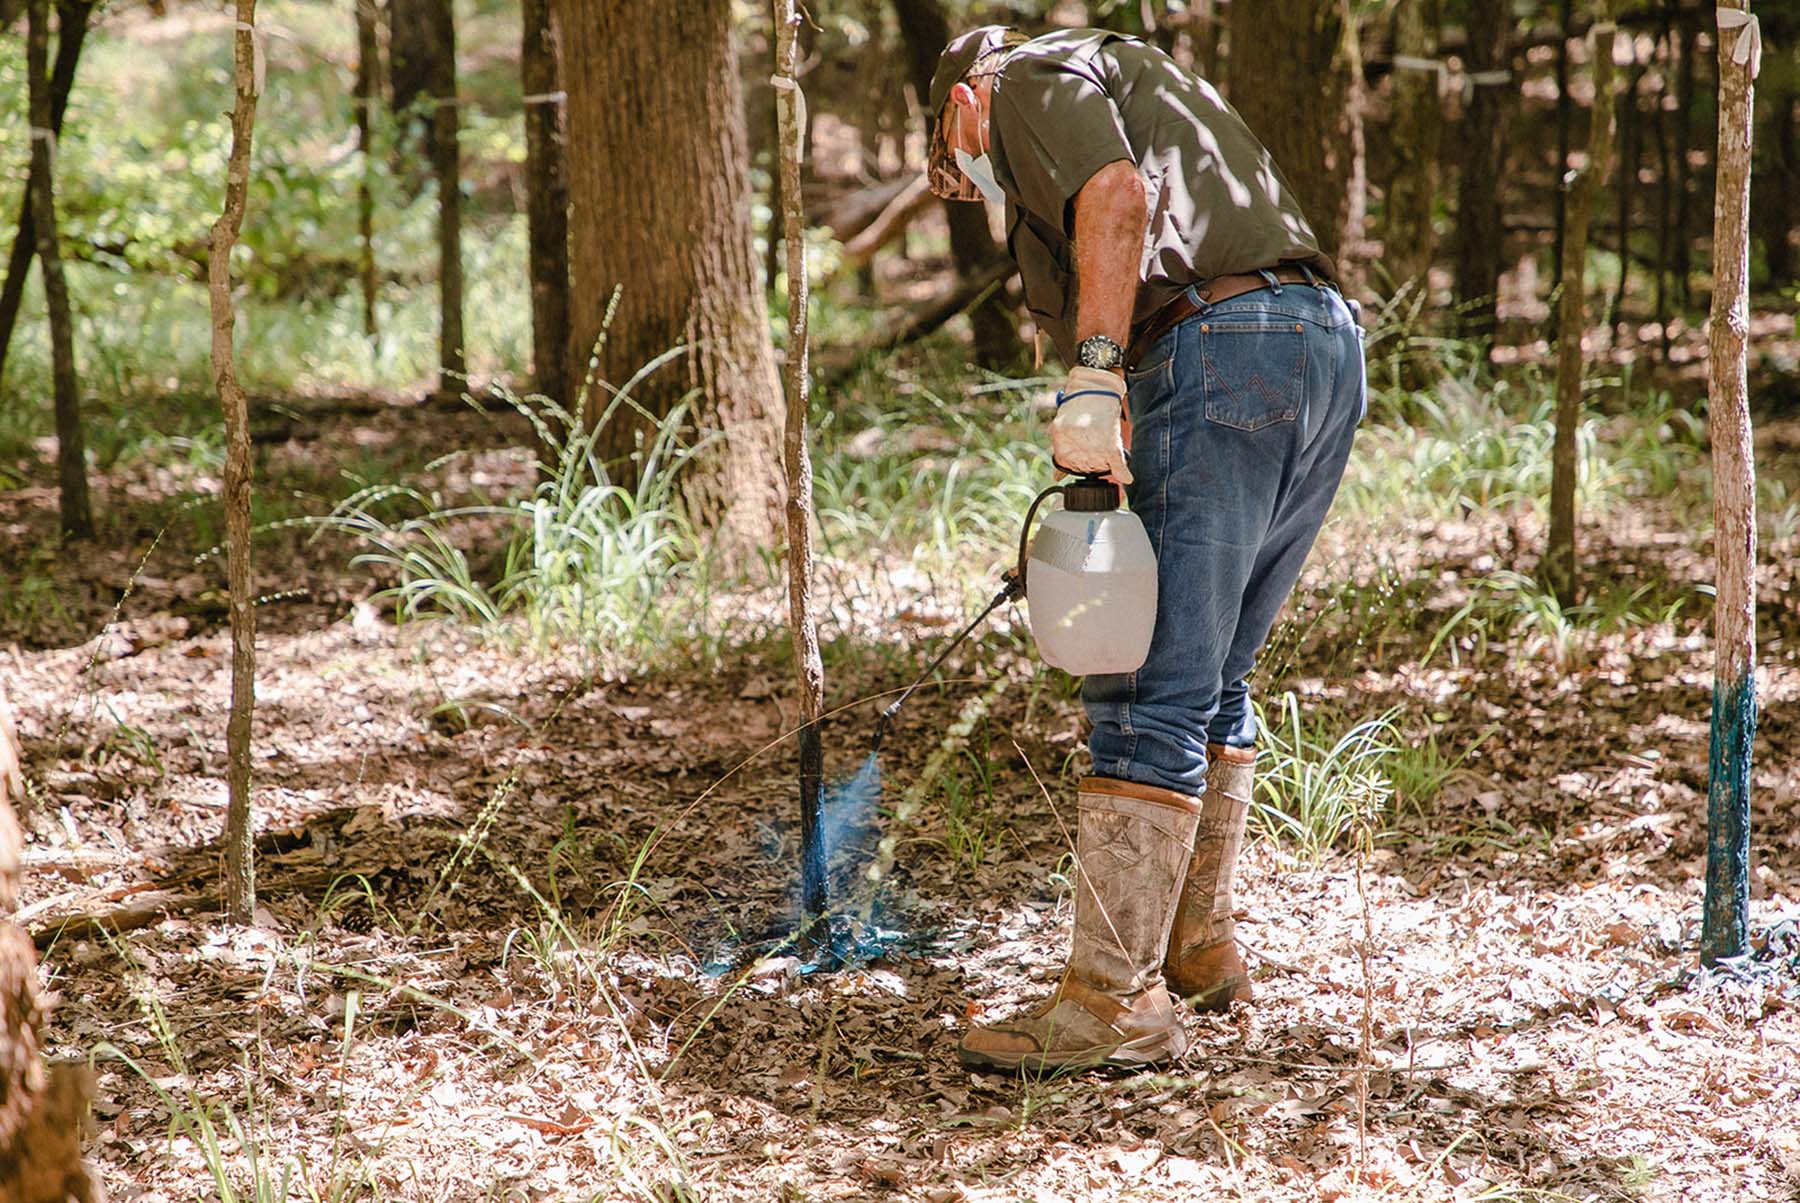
(1055, 124)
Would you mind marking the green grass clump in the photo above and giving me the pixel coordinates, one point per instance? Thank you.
(1517, 608)
(586, 562)
(1317, 779)
(1471, 439)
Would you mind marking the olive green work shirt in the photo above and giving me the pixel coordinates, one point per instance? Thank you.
(1067, 104)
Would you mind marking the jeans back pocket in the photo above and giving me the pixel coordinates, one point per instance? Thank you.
(1255, 372)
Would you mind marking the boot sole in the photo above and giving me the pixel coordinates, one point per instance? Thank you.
(1133, 1054)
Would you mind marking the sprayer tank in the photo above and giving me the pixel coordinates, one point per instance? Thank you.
(1090, 591)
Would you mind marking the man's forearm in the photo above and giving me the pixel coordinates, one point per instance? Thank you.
(1110, 217)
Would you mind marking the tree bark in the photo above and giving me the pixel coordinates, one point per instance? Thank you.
(657, 154)
(1407, 238)
(240, 848)
(368, 69)
(1559, 197)
(546, 199)
(925, 29)
(71, 32)
(71, 447)
(412, 50)
(1629, 138)
(1665, 186)
(41, 1110)
(1725, 923)
(446, 166)
(1560, 565)
(1479, 233)
(1685, 87)
(777, 202)
(1313, 128)
(802, 610)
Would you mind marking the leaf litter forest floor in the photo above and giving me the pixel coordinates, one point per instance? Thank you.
(505, 899)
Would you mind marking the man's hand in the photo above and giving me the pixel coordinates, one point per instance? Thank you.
(1088, 432)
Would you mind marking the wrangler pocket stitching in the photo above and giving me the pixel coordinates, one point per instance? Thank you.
(1260, 399)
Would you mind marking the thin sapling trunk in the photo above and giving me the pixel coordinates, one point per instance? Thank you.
(802, 610)
(546, 199)
(368, 63)
(240, 864)
(71, 32)
(1725, 927)
(446, 163)
(1559, 568)
(71, 446)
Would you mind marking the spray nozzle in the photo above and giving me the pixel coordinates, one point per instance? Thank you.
(882, 724)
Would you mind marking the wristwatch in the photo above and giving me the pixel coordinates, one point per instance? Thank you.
(1099, 351)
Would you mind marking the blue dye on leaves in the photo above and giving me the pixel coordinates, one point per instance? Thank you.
(850, 806)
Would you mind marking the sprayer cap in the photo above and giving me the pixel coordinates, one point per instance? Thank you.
(1090, 494)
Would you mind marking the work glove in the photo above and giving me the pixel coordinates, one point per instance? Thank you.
(1088, 432)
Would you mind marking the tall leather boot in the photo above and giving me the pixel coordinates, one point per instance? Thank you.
(1203, 964)
(1111, 1007)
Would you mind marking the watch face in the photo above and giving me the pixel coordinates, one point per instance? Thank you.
(1100, 351)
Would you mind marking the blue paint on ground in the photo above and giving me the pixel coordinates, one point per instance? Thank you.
(850, 806)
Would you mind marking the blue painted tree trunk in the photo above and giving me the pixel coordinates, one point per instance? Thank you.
(1725, 927)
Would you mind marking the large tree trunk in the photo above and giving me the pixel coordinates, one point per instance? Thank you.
(546, 199)
(1300, 89)
(1478, 238)
(368, 71)
(925, 29)
(1559, 568)
(71, 32)
(240, 847)
(41, 1111)
(1407, 237)
(1724, 928)
(71, 446)
(657, 156)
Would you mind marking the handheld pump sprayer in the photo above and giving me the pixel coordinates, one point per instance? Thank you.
(1089, 583)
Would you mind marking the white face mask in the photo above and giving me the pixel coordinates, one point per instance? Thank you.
(980, 170)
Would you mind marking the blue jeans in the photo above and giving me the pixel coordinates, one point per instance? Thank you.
(1242, 418)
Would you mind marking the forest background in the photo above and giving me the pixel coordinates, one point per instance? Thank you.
(523, 800)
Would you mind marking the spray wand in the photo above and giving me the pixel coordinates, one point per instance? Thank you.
(1013, 586)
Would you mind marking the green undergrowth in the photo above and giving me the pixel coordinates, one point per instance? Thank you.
(140, 177)
(931, 462)
(581, 561)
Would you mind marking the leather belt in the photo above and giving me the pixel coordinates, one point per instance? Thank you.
(1219, 288)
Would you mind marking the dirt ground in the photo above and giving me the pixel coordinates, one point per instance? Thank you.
(509, 912)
